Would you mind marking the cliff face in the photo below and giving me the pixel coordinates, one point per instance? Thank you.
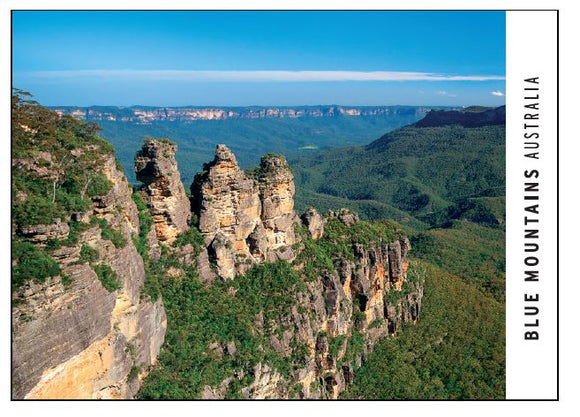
(245, 220)
(147, 115)
(470, 117)
(80, 339)
(341, 315)
(333, 322)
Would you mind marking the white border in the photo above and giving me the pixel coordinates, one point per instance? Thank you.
(531, 364)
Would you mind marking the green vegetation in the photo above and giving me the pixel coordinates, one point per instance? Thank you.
(108, 233)
(32, 262)
(133, 373)
(456, 351)
(247, 311)
(190, 237)
(88, 254)
(336, 344)
(203, 320)
(413, 172)
(153, 270)
(99, 186)
(107, 276)
(337, 243)
(66, 280)
(58, 163)
(471, 251)
(57, 169)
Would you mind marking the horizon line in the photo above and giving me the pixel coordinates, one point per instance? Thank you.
(220, 106)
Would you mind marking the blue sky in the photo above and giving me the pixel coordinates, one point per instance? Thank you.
(260, 58)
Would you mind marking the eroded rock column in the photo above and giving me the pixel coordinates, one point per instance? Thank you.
(156, 168)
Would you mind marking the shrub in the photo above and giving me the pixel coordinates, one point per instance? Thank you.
(192, 237)
(133, 373)
(335, 345)
(107, 276)
(99, 185)
(66, 280)
(89, 254)
(108, 233)
(32, 263)
(36, 209)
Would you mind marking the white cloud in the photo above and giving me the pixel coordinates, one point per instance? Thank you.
(258, 76)
(497, 93)
(446, 94)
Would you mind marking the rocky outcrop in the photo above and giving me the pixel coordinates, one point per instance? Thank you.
(345, 216)
(156, 168)
(42, 233)
(77, 339)
(245, 219)
(248, 219)
(314, 223)
(360, 299)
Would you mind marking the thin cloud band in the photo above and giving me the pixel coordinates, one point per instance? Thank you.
(259, 76)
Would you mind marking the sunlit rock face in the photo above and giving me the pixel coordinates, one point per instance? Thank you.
(245, 218)
(162, 188)
(80, 340)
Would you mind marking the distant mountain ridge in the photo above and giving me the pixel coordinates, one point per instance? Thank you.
(147, 115)
(470, 117)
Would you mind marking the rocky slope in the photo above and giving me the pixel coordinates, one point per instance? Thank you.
(79, 339)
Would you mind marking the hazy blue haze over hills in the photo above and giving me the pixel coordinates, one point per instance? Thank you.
(249, 131)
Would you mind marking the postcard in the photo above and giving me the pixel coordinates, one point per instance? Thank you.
(262, 204)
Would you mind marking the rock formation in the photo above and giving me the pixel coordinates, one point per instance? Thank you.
(360, 296)
(245, 219)
(156, 168)
(357, 302)
(82, 340)
(79, 340)
(314, 222)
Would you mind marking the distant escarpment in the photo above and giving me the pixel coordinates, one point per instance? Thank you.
(147, 115)
(469, 117)
(226, 293)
